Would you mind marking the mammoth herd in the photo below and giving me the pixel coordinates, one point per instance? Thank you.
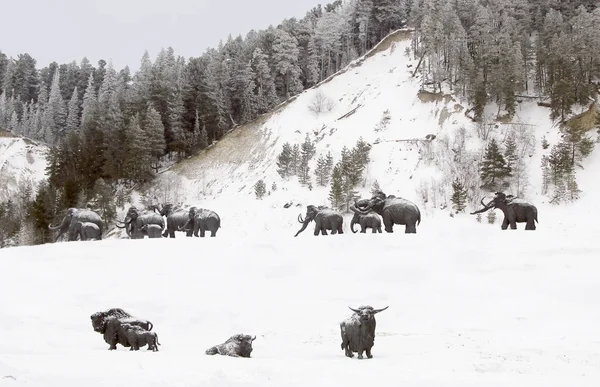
(85, 224)
(119, 327)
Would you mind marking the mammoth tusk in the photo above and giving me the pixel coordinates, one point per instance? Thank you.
(254, 338)
(300, 220)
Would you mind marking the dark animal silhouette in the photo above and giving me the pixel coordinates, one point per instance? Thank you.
(152, 230)
(87, 230)
(370, 220)
(110, 324)
(515, 211)
(393, 210)
(134, 221)
(139, 337)
(325, 219)
(201, 219)
(176, 220)
(239, 345)
(358, 331)
(70, 220)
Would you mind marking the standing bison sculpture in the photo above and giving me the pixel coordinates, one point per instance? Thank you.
(110, 324)
(358, 331)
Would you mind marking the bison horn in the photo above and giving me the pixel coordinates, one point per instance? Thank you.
(254, 338)
(380, 310)
(354, 310)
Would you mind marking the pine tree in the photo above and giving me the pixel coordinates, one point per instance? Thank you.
(321, 172)
(101, 201)
(260, 189)
(285, 57)
(274, 187)
(336, 193)
(491, 217)
(138, 154)
(266, 94)
(375, 188)
(284, 161)
(510, 152)
(89, 105)
(73, 112)
(295, 159)
(572, 187)
(459, 196)
(154, 130)
(493, 166)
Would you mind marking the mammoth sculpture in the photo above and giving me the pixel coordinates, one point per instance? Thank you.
(358, 331)
(134, 221)
(110, 324)
(370, 220)
(325, 219)
(239, 345)
(393, 210)
(515, 211)
(176, 220)
(138, 337)
(152, 230)
(201, 219)
(87, 230)
(72, 217)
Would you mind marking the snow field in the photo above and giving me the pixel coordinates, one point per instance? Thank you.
(469, 305)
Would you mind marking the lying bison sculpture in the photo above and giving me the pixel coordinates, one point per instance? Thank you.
(139, 337)
(358, 331)
(110, 324)
(239, 345)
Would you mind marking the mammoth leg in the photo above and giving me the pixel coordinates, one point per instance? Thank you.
(374, 230)
(504, 224)
(513, 224)
(530, 225)
(323, 231)
(213, 233)
(410, 229)
(369, 355)
(340, 229)
(389, 225)
(202, 232)
(363, 228)
(333, 230)
(360, 354)
(172, 233)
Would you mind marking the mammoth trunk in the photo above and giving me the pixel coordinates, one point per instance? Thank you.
(352, 223)
(304, 225)
(62, 226)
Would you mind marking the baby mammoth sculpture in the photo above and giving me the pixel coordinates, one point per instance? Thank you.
(370, 220)
(152, 230)
(138, 337)
(87, 230)
(239, 345)
(325, 219)
(110, 324)
(515, 211)
(393, 210)
(358, 331)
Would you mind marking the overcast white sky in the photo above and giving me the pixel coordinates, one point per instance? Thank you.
(67, 30)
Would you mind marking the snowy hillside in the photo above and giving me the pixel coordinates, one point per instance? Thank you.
(404, 160)
(22, 162)
(496, 309)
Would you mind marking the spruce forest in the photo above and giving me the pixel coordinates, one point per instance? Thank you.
(110, 129)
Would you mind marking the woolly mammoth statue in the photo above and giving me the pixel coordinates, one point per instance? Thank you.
(87, 230)
(72, 217)
(325, 219)
(134, 221)
(393, 210)
(201, 219)
(515, 211)
(371, 220)
(176, 219)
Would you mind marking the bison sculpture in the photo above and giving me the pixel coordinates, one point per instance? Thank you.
(358, 331)
(110, 324)
(239, 345)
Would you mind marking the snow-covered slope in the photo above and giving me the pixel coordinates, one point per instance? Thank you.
(494, 308)
(22, 161)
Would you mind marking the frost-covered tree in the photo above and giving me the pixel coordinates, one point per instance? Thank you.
(284, 161)
(285, 58)
(154, 133)
(493, 165)
(459, 196)
(266, 95)
(260, 188)
(336, 193)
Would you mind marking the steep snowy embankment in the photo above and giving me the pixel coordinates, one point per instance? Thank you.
(22, 161)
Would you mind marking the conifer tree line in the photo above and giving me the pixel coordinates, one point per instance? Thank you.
(495, 50)
(342, 177)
